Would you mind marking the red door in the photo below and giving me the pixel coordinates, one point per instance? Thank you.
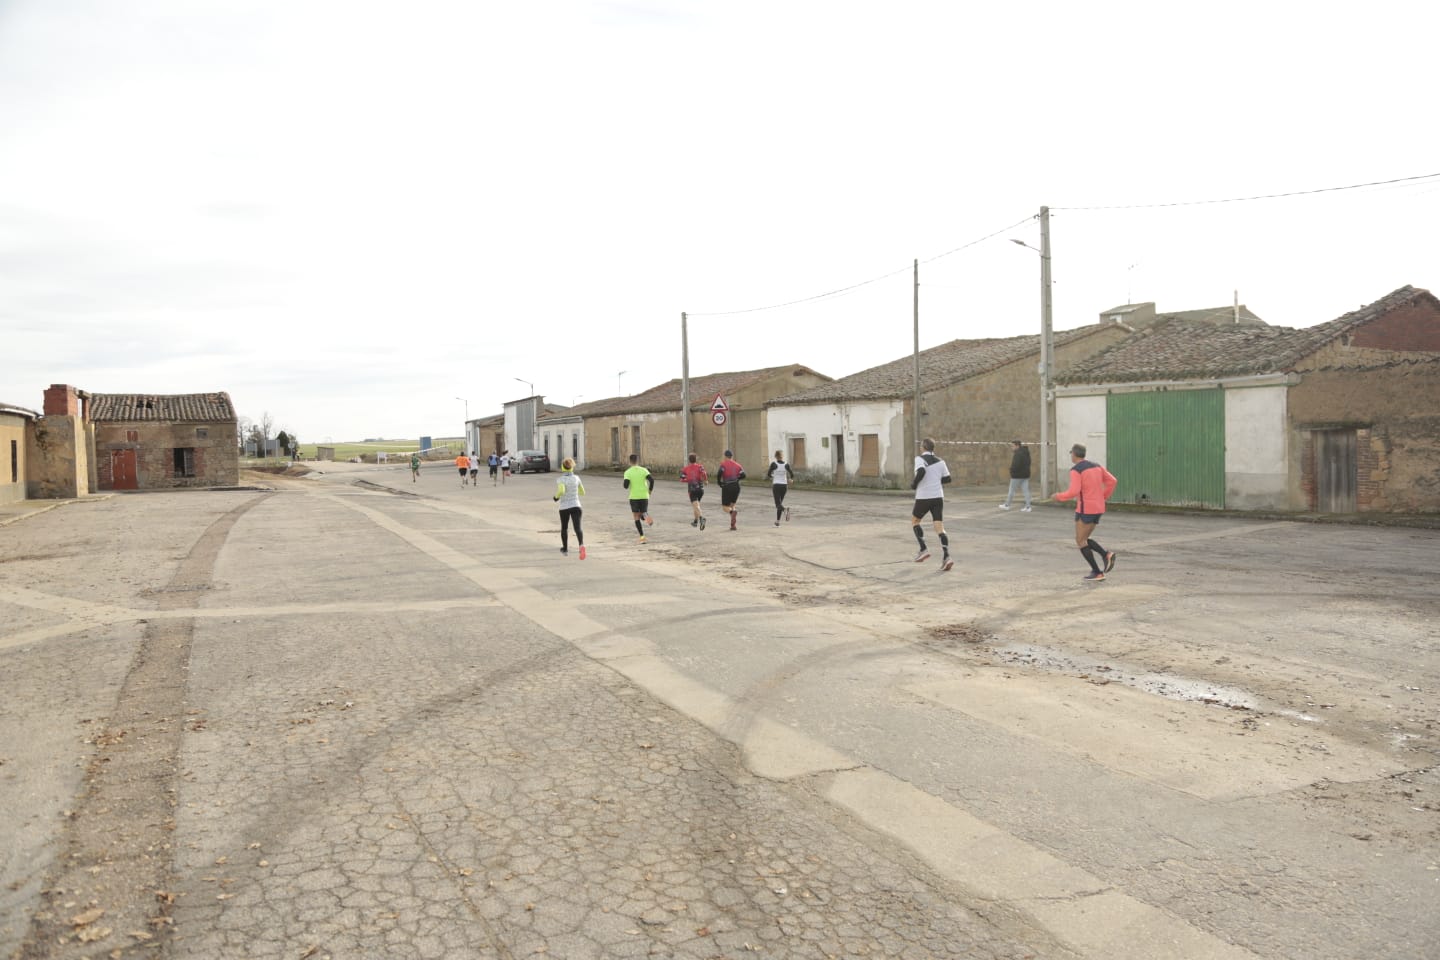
(122, 470)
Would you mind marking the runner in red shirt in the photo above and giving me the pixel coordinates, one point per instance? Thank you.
(730, 474)
(694, 476)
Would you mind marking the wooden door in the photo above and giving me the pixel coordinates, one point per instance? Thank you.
(122, 470)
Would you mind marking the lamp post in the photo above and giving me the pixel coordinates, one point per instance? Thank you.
(528, 384)
(466, 431)
(617, 382)
(1047, 399)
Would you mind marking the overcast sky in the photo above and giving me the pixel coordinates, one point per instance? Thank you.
(351, 214)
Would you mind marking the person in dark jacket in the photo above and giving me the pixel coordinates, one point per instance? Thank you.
(1019, 476)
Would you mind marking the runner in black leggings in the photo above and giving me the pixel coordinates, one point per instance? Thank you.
(779, 474)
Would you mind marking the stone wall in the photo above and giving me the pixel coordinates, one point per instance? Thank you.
(58, 458)
(1395, 411)
(214, 446)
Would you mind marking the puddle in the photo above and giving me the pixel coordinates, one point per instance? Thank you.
(1099, 671)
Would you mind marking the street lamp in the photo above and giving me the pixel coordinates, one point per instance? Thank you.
(465, 431)
(467, 408)
(617, 382)
(528, 384)
(1047, 344)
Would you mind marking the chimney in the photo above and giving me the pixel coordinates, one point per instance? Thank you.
(62, 399)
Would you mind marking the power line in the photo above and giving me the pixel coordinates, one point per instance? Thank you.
(856, 286)
(1266, 196)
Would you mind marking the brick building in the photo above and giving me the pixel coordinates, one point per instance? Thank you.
(1341, 417)
(149, 442)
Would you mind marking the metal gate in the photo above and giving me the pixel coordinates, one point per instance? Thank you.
(1167, 447)
(1336, 472)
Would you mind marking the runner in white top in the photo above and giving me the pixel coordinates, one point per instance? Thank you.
(779, 474)
(931, 475)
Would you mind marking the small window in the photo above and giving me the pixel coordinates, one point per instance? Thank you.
(132, 436)
(202, 433)
(14, 462)
(184, 461)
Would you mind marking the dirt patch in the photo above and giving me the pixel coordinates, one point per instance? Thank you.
(955, 635)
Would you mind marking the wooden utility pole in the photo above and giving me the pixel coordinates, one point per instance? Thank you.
(685, 386)
(916, 416)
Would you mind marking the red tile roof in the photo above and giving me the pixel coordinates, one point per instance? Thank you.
(183, 407)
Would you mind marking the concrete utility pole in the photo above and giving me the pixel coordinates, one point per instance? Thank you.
(916, 416)
(1047, 399)
(685, 386)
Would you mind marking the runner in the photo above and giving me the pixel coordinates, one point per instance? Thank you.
(931, 475)
(568, 491)
(414, 467)
(494, 462)
(463, 462)
(730, 474)
(695, 477)
(504, 465)
(1090, 486)
(780, 476)
(639, 481)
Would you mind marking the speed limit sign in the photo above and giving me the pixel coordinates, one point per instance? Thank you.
(719, 417)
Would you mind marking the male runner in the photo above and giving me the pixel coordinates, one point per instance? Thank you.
(730, 474)
(694, 476)
(931, 475)
(463, 462)
(639, 482)
(780, 475)
(1090, 486)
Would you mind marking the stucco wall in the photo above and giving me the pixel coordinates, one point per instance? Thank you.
(1257, 461)
(58, 455)
(1077, 420)
(819, 423)
(12, 431)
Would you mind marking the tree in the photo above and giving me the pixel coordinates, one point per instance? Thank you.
(243, 426)
(283, 439)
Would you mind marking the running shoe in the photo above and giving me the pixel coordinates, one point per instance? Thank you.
(1002, 506)
(1024, 509)
(582, 553)
(948, 564)
(695, 522)
(702, 523)
(642, 538)
(564, 552)
(649, 520)
(922, 555)
(777, 523)
(1110, 561)
(1094, 575)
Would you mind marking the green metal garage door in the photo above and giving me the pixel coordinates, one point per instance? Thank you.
(1168, 447)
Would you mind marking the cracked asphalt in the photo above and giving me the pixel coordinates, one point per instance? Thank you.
(349, 716)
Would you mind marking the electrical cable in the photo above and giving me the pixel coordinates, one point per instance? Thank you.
(1266, 196)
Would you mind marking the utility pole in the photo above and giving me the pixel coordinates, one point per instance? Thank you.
(685, 386)
(916, 416)
(1047, 399)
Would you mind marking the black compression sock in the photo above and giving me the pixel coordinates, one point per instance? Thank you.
(919, 536)
(639, 528)
(1099, 550)
(1089, 556)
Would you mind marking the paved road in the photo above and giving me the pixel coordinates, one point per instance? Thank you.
(359, 717)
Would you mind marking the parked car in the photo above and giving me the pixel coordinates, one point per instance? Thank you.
(537, 461)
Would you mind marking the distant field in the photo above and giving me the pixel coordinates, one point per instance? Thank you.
(344, 451)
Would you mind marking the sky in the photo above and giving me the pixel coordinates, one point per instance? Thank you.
(376, 219)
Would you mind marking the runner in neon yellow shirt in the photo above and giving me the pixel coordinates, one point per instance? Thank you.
(640, 483)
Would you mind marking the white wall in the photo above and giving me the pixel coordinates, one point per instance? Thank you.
(817, 421)
(560, 437)
(1077, 420)
(1257, 466)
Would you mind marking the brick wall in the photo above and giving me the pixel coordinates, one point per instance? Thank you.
(216, 455)
(1413, 327)
(1395, 410)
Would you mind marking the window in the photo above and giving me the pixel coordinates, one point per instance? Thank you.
(184, 462)
(14, 462)
(547, 446)
(575, 446)
(635, 441)
(614, 444)
(202, 433)
(132, 436)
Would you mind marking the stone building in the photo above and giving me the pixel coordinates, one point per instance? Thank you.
(976, 396)
(1341, 417)
(149, 442)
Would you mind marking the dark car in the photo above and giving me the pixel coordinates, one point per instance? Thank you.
(537, 461)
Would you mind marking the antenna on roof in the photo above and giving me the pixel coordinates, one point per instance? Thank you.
(1237, 306)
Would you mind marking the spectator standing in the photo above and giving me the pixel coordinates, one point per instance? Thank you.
(1019, 475)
